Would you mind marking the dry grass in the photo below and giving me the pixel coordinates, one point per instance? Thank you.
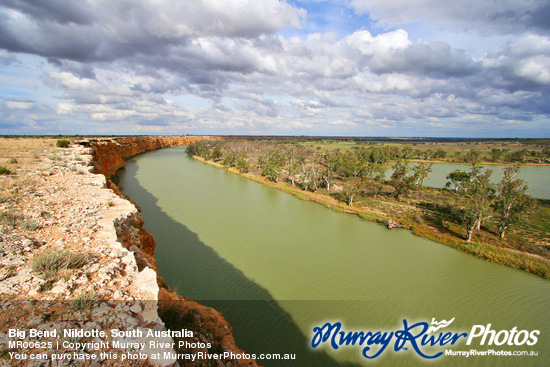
(23, 148)
(50, 263)
(84, 301)
(20, 155)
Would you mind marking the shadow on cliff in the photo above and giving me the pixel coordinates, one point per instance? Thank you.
(196, 271)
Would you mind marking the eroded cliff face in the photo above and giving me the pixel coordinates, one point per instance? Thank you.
(70, 260)
(209, 326)
(111, 154)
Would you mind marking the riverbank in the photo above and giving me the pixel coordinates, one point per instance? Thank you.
(402, 214)
(74, 256)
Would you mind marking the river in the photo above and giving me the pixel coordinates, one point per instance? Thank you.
(277, 266)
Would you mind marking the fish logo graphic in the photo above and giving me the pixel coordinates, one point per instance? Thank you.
(439, 325)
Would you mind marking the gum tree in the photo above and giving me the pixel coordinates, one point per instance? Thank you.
(295, 158)
(512, 199)
(271, 164)
(457, 178)
(400, 179)
(331, 162)
(349, 192)
(421, 172)
(476, 197)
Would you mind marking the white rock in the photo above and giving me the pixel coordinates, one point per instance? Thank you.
(136, 308)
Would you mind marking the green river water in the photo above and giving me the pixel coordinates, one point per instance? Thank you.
(277, 267)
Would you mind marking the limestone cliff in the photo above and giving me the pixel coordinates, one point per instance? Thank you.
(111, 154)
(74, 256)
(66, 263)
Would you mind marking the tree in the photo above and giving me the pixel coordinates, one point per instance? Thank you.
(391, 151)
(457, 178)
(271, 164)
(349, 165)
(362, 154)
(401, 180)
(421, 172)
(406, 152)
(331, 161)
(236, 158)
(191, 149)
(374, 176)
(216, 153)
(543, 155)
(496, 154)
(349, 192)
(309, 177)
(512, 199)
(295, 157)
(371, 171)
(428, 154)
(230, 158)
(519, 155)
(242, 164)
(475, 201)
(201, 148)
(378, 156)
(440, 153)
(472, 156)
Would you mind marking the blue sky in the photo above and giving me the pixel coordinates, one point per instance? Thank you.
(329, 16)
(347, 67)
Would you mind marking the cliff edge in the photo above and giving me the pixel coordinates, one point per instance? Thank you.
(78, 280)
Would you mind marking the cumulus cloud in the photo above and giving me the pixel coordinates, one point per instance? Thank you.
(523, 64)
(504, 16)
(19, 103)
(393, 52)
(218, 66)
(54, 10)
(107, 30)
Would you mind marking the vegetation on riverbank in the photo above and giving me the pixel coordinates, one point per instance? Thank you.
(440, 150)
(499, 223)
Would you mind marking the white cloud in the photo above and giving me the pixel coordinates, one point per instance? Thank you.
(20, 104)
(130, 64)
(504, 16)
(536, 69)
(381, 44)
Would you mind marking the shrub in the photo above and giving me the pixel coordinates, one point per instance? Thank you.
(13, 160)
(50, 263)
(62, 143)
(84, 301)
(28, 224)
(11, 219)
(8, 218)
(4, 171)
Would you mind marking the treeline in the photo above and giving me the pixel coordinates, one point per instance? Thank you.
(356, 173)
(382, 154)
(478, 200)
(495, 155)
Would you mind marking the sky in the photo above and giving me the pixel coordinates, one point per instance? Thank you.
(395, 68)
